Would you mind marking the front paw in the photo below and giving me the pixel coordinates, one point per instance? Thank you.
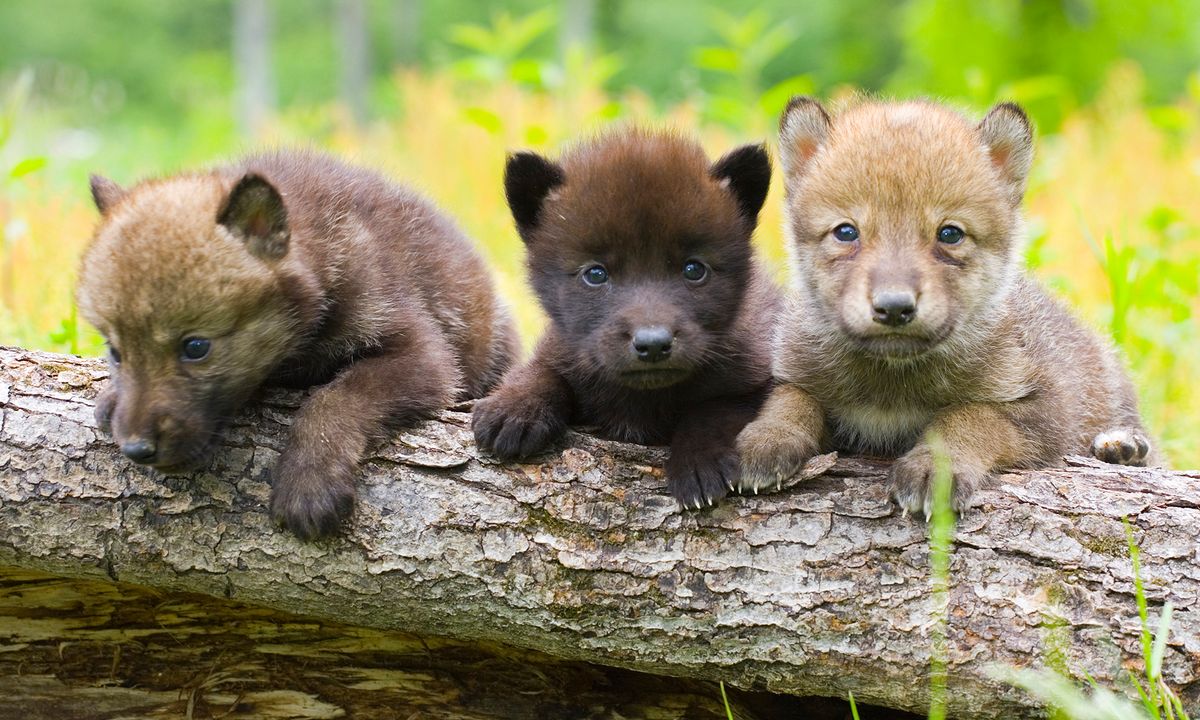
(912, 477)
(106, 403)
(313, 495)
(698, 478)
(511, 426)
(772, 451)
(1126, 446)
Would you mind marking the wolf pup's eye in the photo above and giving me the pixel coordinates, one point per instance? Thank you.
(694, 270)
(114, 355)
(846, 233)
(196, 348)
(595, 275)
(950, 235)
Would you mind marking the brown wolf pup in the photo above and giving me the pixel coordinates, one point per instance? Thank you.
(912, 322)
(287, 268)
(639, 250)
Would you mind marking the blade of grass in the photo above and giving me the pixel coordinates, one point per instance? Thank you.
(941, 538)
(725, 700)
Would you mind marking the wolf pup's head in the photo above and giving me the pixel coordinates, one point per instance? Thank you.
(639, 249)
(904, 219)
(186, 279)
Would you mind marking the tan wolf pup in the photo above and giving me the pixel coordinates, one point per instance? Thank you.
(912, 321)
(285, 268)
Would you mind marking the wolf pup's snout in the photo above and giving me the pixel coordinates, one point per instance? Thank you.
(140, 450)
(894, 307)
(653, 344)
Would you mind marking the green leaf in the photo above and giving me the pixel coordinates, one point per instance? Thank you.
(716, 58)
(484, 118)
(776, 97)
(1160, 642)
(26, 166)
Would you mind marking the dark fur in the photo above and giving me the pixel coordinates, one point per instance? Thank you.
(300, 270)
(642, 204)
(990, 367)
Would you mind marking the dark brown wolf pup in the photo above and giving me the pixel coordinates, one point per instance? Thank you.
(639, 250)
(287, 268)
(912, 322)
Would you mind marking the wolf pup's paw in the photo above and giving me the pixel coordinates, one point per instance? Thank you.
(313, 496)
(700, 477)
(106, 403)
(912, 476)
(1126, 446)
(510, 426)
(771, 452)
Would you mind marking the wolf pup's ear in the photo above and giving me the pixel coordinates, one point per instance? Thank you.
(803, 129)
(1008, 135)
(528, 179)
(746, 172)
(255, 214)
(105, 192)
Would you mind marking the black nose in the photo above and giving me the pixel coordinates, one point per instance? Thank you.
(652, 344)
(139, 450)
(894, 307)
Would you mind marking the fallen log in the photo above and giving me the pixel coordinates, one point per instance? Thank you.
(581, 555)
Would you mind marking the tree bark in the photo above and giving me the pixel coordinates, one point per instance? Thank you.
(819, 590)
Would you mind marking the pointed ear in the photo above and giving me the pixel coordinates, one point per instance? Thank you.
(255, 214)
(803, 129)
(1008, 135)
(528, 179)
(105, 192)
(746, 172)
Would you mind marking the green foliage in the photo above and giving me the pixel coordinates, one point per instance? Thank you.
(749, 43)
(1047, 54)
(500, 51)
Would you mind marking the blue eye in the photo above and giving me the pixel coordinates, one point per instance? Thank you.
(113, 355)
(196, 348)
(694, 270)
(950, 235)
(595, 275)
(846, 233)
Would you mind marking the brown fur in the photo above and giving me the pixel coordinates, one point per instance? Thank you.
(298, 269)
(988, 364)
(642, 205)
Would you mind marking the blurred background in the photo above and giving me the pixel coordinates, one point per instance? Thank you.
(435, 93)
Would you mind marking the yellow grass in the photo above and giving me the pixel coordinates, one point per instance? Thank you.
(1108, 169)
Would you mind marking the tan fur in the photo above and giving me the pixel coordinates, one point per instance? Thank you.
(991, 365)
(299, 270)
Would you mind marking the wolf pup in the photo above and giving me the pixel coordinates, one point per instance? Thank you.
(639, 250)
(288, 268)
(912, 323)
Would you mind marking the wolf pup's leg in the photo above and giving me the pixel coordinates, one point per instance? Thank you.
(976, 439)
(703, 466)
(313, 490)
(789, 430)
(529, 410)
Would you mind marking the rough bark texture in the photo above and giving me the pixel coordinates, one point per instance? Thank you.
(819, 590)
